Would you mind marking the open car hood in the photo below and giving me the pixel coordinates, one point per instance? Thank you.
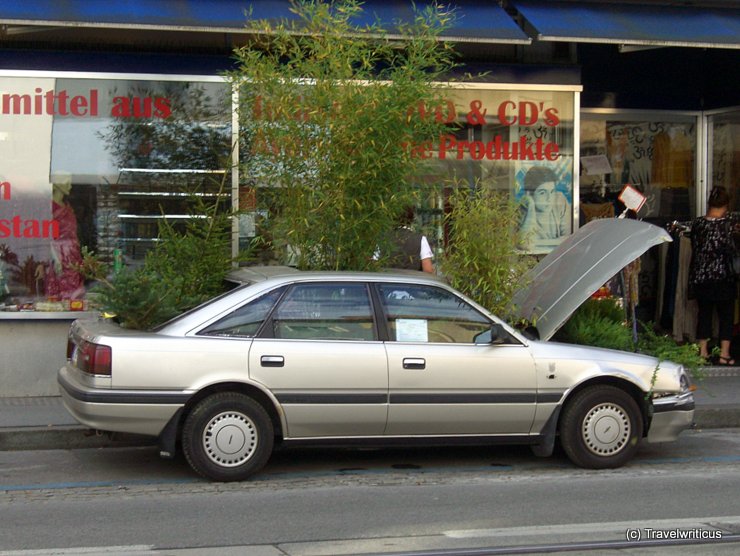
(579, 266)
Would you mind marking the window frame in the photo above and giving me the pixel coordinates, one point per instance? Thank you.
(652, 117)
(267, 330)
(385, 317)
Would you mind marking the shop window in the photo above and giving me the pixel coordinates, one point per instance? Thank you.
(96, 164)
(495, 137)
(521, 143)
(657, 157)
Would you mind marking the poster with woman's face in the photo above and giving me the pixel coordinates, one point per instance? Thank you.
(545, 196)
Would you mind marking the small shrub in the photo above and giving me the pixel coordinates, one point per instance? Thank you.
(184, 269)
(665, 348)
(193, 262)
(600, 323)
(139, 298)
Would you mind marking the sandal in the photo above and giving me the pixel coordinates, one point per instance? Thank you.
(726, 361)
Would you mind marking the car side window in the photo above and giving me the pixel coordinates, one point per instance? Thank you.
(245, 321)
(419, 313)
(325, 312)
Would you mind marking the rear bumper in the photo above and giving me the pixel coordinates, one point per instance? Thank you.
(671, 416)
(136, 412)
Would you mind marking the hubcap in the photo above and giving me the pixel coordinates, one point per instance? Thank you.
(606, 429)
(230, 439)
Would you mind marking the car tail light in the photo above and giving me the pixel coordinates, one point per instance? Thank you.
(93, 358)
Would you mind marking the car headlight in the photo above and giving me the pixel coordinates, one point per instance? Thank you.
(684, 385)
(685, 381)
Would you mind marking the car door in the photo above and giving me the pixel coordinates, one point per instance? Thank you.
(320, 355)
(441, 382)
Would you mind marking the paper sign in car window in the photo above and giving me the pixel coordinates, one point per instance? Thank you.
(411, 330)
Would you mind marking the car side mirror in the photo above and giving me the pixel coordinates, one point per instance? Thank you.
(497, 334)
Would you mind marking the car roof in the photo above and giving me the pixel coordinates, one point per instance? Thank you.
(254, 274)
(258, 274)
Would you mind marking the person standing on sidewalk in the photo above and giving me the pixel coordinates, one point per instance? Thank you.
(711, 276)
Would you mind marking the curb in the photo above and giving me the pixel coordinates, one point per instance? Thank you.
(72, 437)
(67, 438)
(717, 417)
(714, 371)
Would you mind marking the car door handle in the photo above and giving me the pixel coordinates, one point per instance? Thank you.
(414, 363)
(272, 361)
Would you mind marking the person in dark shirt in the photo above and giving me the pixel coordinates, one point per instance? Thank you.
(410, 249)
(711, 276)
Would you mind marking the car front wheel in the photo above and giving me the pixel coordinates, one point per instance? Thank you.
(601, 427)
(227, 437)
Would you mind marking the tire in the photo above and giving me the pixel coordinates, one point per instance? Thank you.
(601, 427)
(227, 437)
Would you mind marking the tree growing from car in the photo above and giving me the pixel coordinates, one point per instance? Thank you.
(334, 120)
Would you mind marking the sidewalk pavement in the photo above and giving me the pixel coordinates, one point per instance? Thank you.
(42, 423)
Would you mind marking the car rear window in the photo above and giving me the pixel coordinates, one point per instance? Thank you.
(245, 321)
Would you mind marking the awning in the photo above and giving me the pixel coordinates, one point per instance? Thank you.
(631, 23)
(476, 20)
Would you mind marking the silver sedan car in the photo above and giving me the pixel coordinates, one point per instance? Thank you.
(362, 357)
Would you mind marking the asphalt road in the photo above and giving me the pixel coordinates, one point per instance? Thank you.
(312, 502)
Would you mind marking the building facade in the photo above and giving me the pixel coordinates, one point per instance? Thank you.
(111, 119)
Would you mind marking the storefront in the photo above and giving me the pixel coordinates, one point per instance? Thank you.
(97, 148)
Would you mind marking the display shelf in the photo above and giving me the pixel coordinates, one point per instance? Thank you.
(169, 194)
(147, 196)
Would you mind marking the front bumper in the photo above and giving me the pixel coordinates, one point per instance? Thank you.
(671, 416)
(136, 412)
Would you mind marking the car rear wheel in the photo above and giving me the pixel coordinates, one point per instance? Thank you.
(227, 437)
(601, 427)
